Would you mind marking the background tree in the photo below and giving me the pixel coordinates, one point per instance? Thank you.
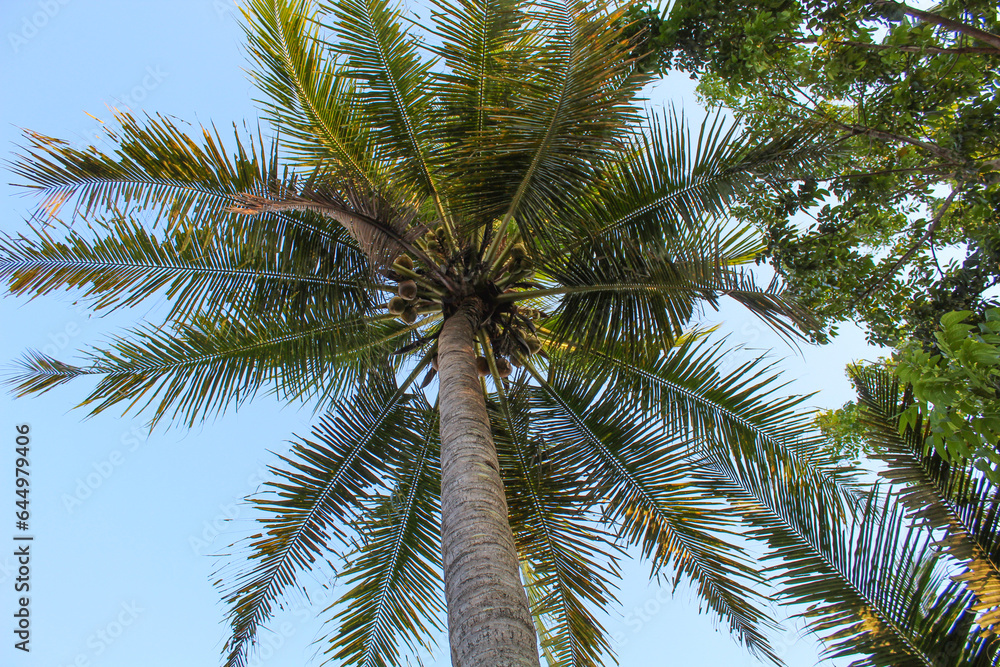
(906, 100)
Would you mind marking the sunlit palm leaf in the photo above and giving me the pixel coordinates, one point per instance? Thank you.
(573, 112)
(305, 95)
(397, 95)
(937, 494)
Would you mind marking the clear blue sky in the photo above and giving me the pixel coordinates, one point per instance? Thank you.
(124, 522)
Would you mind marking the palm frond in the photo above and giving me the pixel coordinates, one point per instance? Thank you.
(573, 112)
(870, 582)
(938, 494)
(688, 388)
(193, 269)
(316, 106)
(664, 179)
(381, 230)
(397, 95)
(640, 474)
(201, 368)
(558, 541)
(396, 593)
(315, 496)
(626, 296)
(155, 167)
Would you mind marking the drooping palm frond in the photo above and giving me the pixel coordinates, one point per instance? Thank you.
(199, 369)
(688, 387)
(381, 230)
(194, 269)
(871, 583)
(570, 557)
(936, 493)
(396, 595)
(640, 475)
(318, 492)
(626, 296)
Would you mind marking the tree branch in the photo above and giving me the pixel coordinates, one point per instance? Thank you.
(945, 22)
(902, 48)
(935, 223)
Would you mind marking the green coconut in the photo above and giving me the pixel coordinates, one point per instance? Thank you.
(409, 315)
(404, 261)
(482, 366)
(407, 289)
(396, 305)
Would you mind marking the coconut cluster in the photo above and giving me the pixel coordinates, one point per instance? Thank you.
(509, 328)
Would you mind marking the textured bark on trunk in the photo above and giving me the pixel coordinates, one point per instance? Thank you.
(489, 624)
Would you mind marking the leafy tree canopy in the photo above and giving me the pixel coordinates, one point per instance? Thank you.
(959, 389)
(905, 100)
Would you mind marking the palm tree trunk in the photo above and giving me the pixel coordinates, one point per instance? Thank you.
(489, 623)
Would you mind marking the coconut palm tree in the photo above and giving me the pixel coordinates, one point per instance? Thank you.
(482, 267)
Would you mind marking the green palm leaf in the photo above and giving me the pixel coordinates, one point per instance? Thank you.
(487, 51)
(687, 388)
(640, 472)
(155, 167)
(397, 97)
(200, 369)
(316, 494)
(306, 96)
(626, 296)
(869, 582)
(940, 495)
(127, 264)
(665, 179)
(395, 575)
(573, 113)
(557, 541)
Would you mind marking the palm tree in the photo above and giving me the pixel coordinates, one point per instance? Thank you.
(499, 218)
(927, 555)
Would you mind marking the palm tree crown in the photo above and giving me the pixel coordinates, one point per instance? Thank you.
(479, 263)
